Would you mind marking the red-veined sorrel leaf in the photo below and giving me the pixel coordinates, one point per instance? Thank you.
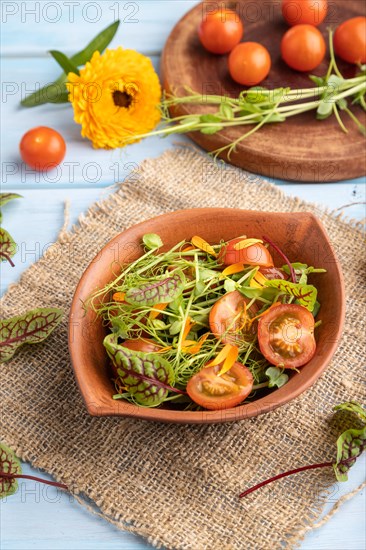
(350, 445)
(10, 465)
(8, 246)
(30, 328)
(157, 292)
(6, 197)
(304, 294)
(354, 407)
(147, 376)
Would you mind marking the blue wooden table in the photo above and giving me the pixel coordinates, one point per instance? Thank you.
(38, 517)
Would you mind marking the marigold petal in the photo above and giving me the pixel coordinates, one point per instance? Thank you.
(245, 243)
(200, 243)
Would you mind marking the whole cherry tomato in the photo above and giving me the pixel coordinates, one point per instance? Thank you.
(309, 12)
(220, 392)
(303, 47)
(249, 63)
(42, 148)
(220, 31)
(350, 40)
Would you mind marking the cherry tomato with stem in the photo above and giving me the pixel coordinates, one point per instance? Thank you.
(303, 48)
(350, 40)
(256, 254)
(286, 336)
(42, 148)
(230, 320)
(215, 392)
(220, 31)
(308, 12)
(249, 63)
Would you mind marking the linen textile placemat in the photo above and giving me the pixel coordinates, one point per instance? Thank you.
(178, 485)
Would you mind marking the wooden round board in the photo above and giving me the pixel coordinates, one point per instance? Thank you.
(299, 149)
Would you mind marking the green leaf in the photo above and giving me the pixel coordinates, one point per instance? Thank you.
(229, 285)
(342, 103)
(152, 241)
(30, 328)
(316, 308)
(175, 328)
(7, 197)
(254, 95)
(157, 292)
(354, 407)
(276, 117)
(119, 327)
(211, 130)
(276, 377)
(147, 376)
(9, 464)
(99, 43)
(65, 63)
(324, 110)
(8, 246)
(209, 118)
(56, 92)
(350, 446)
(318, 80)
(226, 110)
(158, 324)
(304, 294)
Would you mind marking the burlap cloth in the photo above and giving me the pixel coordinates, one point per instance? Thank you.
(178, 485)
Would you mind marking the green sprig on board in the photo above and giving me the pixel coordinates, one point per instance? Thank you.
(258, 106)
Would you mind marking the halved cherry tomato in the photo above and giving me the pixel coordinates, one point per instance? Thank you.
(230, 321)
(350, 40)
(273, 273)
(256, 254)
(309, 12)
(249, 63)
(303, 47)
(220, 31)
(220, 392)
(42, 148)
(286, 336)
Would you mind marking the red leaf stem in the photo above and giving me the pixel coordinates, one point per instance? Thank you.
(34, 478)
(283, 255)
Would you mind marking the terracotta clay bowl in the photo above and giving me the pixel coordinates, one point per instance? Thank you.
(301, 237)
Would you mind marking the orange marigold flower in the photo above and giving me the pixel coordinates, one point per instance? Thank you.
(116, 96)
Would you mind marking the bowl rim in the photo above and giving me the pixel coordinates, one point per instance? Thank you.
(248, 410)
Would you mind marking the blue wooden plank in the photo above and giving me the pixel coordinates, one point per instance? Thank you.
(83, 166)
(69, 26)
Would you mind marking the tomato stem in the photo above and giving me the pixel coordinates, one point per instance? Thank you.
(283, 255)
(7, 475)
